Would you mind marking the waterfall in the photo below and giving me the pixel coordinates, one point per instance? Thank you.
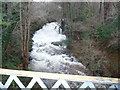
(49, 52)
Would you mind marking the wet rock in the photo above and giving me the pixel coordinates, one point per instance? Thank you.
(50, 55)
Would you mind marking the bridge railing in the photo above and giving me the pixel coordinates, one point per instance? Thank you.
(62, 79)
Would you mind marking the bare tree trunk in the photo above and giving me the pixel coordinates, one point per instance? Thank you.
(106, 11)
(63, 10)
(22, 33)
(100, 9)
(28, 34)
(25, 35)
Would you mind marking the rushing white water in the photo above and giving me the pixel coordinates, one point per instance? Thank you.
(48, 57)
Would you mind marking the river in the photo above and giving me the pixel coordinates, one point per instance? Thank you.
(49, 53)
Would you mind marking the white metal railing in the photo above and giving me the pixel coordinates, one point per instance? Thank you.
(62, 79)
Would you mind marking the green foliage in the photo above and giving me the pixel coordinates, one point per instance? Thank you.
(67, 42)
(3, 23)
(69, 46)
(89, 10)
(11, 37)
(9, 19)
(63, 43)
(86, 35)
(9, 22)
(11, 62)
(85, 12)
(70, 13)
(106, 31)
(69, 30)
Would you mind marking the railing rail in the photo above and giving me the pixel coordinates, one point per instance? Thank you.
(62, 79)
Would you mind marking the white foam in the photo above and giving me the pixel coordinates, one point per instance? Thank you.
(49, 33)
(46, 56)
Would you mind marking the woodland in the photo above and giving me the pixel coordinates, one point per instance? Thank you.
(92, 29)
